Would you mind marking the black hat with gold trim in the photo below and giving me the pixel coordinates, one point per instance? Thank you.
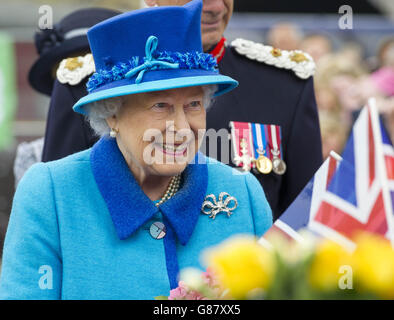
(65, 39)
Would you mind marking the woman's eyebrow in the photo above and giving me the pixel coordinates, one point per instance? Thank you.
(196, 96)
(158, 96)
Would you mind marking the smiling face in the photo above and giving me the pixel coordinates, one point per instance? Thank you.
(215, 16)
(158, 131)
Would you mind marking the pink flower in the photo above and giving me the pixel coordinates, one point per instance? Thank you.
(211, 281)
(209, 278)
(182, 292)
(194, 295)
(178, 293)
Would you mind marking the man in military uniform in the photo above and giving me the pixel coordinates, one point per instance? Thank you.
(275, 88)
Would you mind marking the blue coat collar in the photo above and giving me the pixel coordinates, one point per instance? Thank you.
(128, 205)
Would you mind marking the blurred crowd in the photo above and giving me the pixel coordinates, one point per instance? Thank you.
(344, 80)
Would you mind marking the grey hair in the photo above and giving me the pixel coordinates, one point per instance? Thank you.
(98, 111)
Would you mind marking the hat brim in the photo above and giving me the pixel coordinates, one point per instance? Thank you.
(40, 74)
(225, 84)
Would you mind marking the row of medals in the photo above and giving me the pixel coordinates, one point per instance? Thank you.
(263, 164)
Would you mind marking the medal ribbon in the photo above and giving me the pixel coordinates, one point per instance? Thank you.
(259, 139)
(239, 131)
(275, 139)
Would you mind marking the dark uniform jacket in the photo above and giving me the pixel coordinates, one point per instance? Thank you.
(66, 132)
(270, 95)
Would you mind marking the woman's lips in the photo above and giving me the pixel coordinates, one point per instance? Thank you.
(173, 149)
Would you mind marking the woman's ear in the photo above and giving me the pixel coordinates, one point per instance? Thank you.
(111, 121)
(150, 3)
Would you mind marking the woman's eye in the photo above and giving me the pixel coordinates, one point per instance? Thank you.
(195, 104)
(161, 106)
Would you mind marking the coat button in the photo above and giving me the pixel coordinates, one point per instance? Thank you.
(157, 230)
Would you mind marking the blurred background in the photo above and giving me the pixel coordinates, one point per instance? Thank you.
(352, 64)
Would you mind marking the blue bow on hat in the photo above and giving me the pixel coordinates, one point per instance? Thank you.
(151, 49)
(150, 63)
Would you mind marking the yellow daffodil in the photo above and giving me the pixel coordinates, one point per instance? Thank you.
(241, 265)
(374, 265)
(324, 272)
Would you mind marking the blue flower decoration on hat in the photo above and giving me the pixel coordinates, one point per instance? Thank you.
(152, 61)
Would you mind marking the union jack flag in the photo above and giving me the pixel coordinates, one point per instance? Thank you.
(348, 194)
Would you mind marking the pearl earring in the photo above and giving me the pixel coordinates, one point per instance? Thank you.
(113, 132)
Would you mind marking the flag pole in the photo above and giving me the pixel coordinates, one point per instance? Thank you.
(382, 172)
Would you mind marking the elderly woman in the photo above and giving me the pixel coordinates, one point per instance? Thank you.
(118, 221)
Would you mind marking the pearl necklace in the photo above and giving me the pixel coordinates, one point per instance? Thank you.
(173, 187)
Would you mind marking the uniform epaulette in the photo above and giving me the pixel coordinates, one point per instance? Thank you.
(74, 70)
(300, 62)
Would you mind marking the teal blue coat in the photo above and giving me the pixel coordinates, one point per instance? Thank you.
(80, 227)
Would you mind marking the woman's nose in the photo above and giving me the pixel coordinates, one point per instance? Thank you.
(180, 119)
(178, 128)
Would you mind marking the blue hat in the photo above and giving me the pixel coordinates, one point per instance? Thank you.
(151, 49)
